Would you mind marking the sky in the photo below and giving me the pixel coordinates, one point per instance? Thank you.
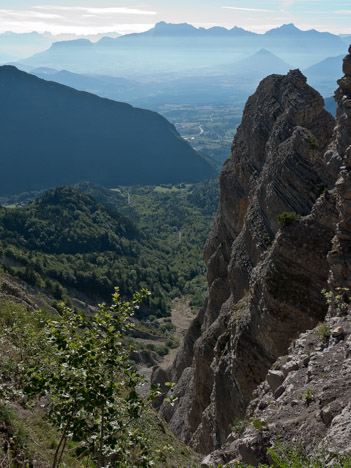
(126, 16)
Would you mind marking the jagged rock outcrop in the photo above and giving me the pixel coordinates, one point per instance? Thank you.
(340, 255)
(264, 279)
(305, 399)
(310, 409)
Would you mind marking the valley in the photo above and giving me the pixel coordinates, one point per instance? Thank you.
(144, 235)
(209, 129)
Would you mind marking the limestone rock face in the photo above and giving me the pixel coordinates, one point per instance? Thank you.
(313, 410)
(340, 255)
(313, 403)
(264, 279)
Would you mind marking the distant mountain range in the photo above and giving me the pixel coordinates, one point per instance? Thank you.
(23, 45)
(171, 48)
(346, 38)
(53, 135)
(232, 83)
(163, 29)
(14, 46)
(118, 89)
(241, 75)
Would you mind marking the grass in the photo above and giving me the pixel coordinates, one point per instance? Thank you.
(174, 188)
(323, 332)
(258, 424)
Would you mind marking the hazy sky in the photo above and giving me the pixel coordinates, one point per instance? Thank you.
(124, 16)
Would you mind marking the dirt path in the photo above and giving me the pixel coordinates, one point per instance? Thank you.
(182, 317)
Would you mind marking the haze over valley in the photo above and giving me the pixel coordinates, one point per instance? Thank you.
(172, 67)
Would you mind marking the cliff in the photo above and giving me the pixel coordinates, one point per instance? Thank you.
(340, 254)
(264, 277)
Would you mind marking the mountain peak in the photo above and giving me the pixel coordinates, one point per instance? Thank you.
(72, 43)
(264, 52)
(173, 28)
(289, 28)
(263, 62)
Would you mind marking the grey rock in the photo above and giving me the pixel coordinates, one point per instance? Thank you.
(264, 281)
(326, 415)
(231, 437)
(305, 359)
(258, 325)
(339, 435)
(290, 367)
(275, 379)
(207, 462)
(279, 391)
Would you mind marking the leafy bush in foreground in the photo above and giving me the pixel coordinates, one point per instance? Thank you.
(92, 387)
(77, 368)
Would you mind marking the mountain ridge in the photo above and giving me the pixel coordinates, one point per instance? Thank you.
(69, 135)
(127, 53)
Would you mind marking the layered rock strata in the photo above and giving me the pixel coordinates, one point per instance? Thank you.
(264, 279)
(340, 255)
(305, 400)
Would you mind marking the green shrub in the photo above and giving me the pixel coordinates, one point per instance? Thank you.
(90, 386)
(258, 424)
(323, 332)
(285, 456)
(288, 217)
(15, 444)
(339, 301)
(239, 425)
(162, 350)
(308, 396)
(314, 143)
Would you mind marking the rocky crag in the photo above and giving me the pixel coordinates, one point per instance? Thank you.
(265, 278)
(340, 255)
(304, 403)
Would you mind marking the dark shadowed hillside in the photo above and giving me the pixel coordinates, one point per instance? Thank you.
(53, 135)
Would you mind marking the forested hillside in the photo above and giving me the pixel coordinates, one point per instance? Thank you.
(72, 243)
